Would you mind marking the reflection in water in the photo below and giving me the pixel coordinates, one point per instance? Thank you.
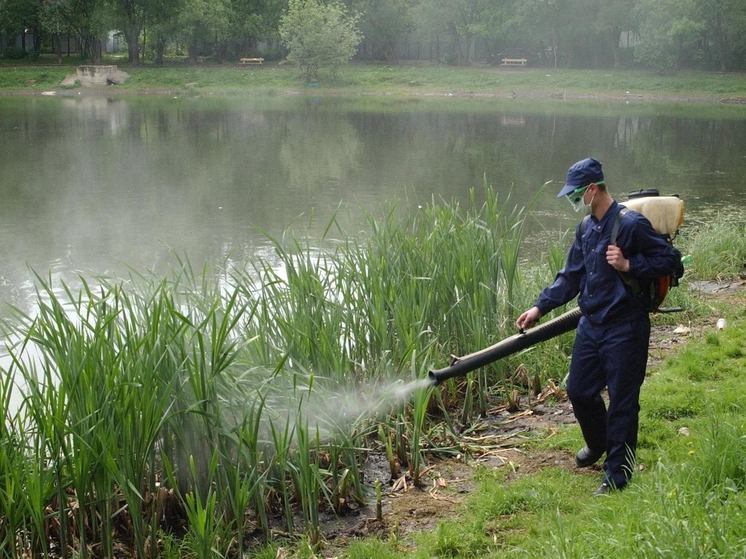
(318, 153)
(97, 185)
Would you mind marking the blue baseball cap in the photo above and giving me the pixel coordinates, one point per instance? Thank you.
(582, 173)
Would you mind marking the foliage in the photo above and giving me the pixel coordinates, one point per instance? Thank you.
(256, 18)
(17, 15)
(129, 15)
(161, 27)
(687, 501)
(200, 21)
(154, 408)
(718, 248)
(384, 25)
(666, 42)
(665, 35)
(319, 36)
(461, 20)
(178, 395)
(55, 16)
(89, 20)
(723, 41)
(692, 33)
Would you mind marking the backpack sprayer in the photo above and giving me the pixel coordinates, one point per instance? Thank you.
(665, 213)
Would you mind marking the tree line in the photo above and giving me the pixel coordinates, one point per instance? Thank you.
(659, 34)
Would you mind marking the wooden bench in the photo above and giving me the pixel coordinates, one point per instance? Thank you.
(514, 61)
(251, 61)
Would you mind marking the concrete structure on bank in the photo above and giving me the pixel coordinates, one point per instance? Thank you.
(92, 75)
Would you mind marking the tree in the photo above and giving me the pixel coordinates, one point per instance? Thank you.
(319, 36)
(16, 16)
(55, 19)
(252, 20)
(161, 24)
(669, 33)
(561, 22)
(613, 17)
(462, 20)
(204, 23)
(88, 19)
(130, 15)
(383, 24)
(724, 27)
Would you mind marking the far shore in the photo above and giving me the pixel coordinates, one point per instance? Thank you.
(393, 81)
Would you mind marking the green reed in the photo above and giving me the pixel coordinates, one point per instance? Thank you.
(203, 512)
(421, 399)
(282, 440)
(16, 466)
(718, 247)
(308, 480)
(231, 405)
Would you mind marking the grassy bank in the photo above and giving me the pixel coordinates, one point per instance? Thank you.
(187, 417)
(689, 493)
(688, 499)
(403, 80)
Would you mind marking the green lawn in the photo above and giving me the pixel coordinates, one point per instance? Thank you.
(400, 80)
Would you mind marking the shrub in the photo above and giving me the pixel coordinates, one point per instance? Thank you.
(319, 36)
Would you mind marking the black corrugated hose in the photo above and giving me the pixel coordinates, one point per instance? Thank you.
(462, 365)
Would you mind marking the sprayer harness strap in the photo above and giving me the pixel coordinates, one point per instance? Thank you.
(627, 278)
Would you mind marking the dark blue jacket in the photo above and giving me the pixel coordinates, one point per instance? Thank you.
(604, 297)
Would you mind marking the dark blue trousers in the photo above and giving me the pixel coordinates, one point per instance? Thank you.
(612, 356)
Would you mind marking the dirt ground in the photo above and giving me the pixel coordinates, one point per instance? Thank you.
(501, 438)
(502, 434)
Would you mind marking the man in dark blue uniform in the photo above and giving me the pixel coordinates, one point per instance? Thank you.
(611, 344)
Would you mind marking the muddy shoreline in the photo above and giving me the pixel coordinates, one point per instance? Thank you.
(539, 95)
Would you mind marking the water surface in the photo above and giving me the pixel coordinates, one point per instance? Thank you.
(100, 185)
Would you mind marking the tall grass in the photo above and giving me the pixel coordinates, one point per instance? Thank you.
(718, 248)
(157, 411)
(205, 410)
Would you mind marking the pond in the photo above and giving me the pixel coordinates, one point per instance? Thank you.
(103, 185)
